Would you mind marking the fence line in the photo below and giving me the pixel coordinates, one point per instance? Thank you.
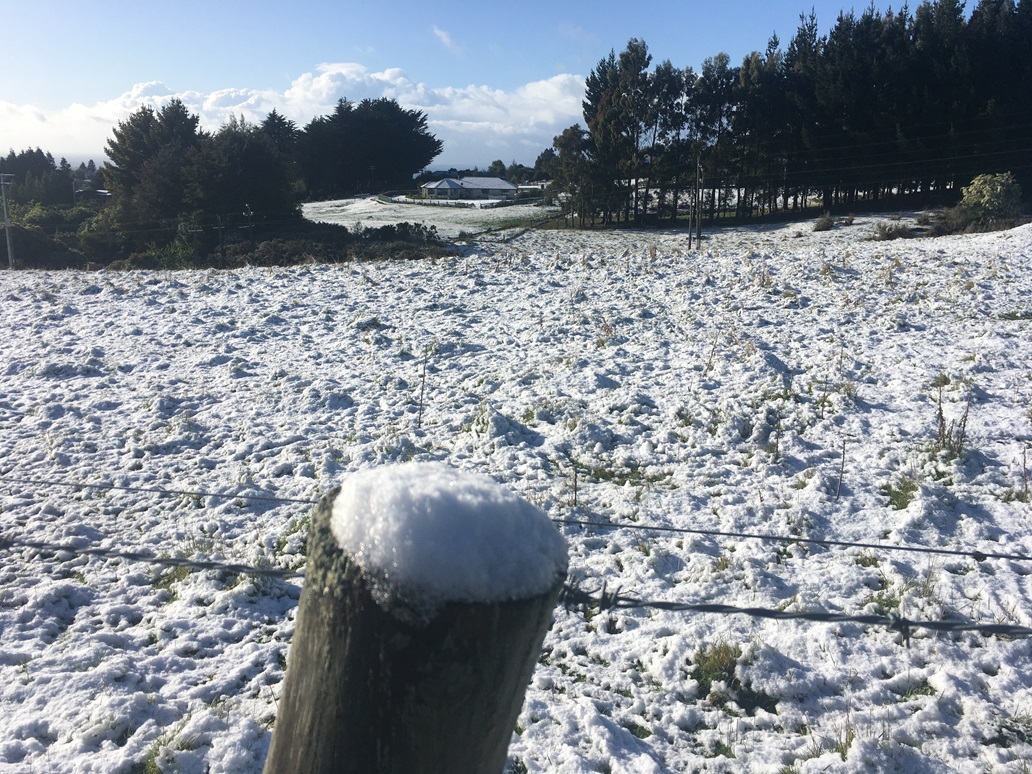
(602, 600)
(978, 556)
(571, 597)
(7, 543)
(146, 490)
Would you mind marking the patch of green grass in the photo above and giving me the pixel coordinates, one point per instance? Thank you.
(639, 730)
(631, 474)
(1015, 495)
(300, 525)
(723, 749)
(716, 664)
(684, 417)
(922, 688)
(865, 559)
(171, 577)
(844, 741)
(901, 494)
(887, 600)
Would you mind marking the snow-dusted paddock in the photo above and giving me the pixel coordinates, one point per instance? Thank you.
(712, 389)
(450, 221)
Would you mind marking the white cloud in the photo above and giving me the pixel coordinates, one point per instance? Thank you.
(446, 39)
(578, 35)
(476, 123)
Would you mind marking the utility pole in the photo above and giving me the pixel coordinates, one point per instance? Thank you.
(698, 202)
(6, 180)
(691, 222)
(691, 215)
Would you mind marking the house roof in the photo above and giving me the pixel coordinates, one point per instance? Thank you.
(486, 182)
(475, 183)
(448, 182)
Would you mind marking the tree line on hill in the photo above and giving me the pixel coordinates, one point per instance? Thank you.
(887, 104)
(38, 178)
(172, 182)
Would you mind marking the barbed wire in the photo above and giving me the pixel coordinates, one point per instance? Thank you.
(7, 543)
(165, 492)
(571, 596)
(603, 600)
(978, 556)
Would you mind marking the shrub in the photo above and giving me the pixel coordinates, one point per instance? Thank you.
(34, 249)
(992, 198)
(888, 231)
(54, 219)
(824, 222)
(991, 201)
(952, 221)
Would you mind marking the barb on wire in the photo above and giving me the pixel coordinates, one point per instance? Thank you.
(978, 556)
(7, 543)
(573, 597)
(163, 492)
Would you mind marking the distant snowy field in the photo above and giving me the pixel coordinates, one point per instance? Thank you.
(450, 221)
(711, 389)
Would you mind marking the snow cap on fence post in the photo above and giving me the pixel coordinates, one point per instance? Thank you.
(428, 593)
(429, 534)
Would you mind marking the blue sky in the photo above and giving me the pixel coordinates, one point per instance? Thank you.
(496, 80)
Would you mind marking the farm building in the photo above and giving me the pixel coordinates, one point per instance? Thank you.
(469, 188)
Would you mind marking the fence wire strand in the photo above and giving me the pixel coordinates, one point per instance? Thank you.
(59, 549)
(603, 600)
(157, 491)
(978, 556)
(571, 596)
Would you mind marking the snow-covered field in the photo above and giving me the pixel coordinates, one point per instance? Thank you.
(711, 389)
(450, 221)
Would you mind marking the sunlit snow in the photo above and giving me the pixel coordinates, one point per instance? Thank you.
(778, 380)
(434, 534)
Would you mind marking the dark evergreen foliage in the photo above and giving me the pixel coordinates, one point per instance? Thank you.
(179, 193)
(375, 145)
(889, 103)
(37, 178)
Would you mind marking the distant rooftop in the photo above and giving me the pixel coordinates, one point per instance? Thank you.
(475, 183)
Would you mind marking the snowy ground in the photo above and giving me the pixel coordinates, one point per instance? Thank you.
(450, 221)
(710, 389)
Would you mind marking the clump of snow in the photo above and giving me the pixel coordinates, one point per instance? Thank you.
(436, 535)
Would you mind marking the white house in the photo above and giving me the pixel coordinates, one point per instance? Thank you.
(469, 188)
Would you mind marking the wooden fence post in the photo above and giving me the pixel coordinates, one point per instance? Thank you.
(377, 680)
